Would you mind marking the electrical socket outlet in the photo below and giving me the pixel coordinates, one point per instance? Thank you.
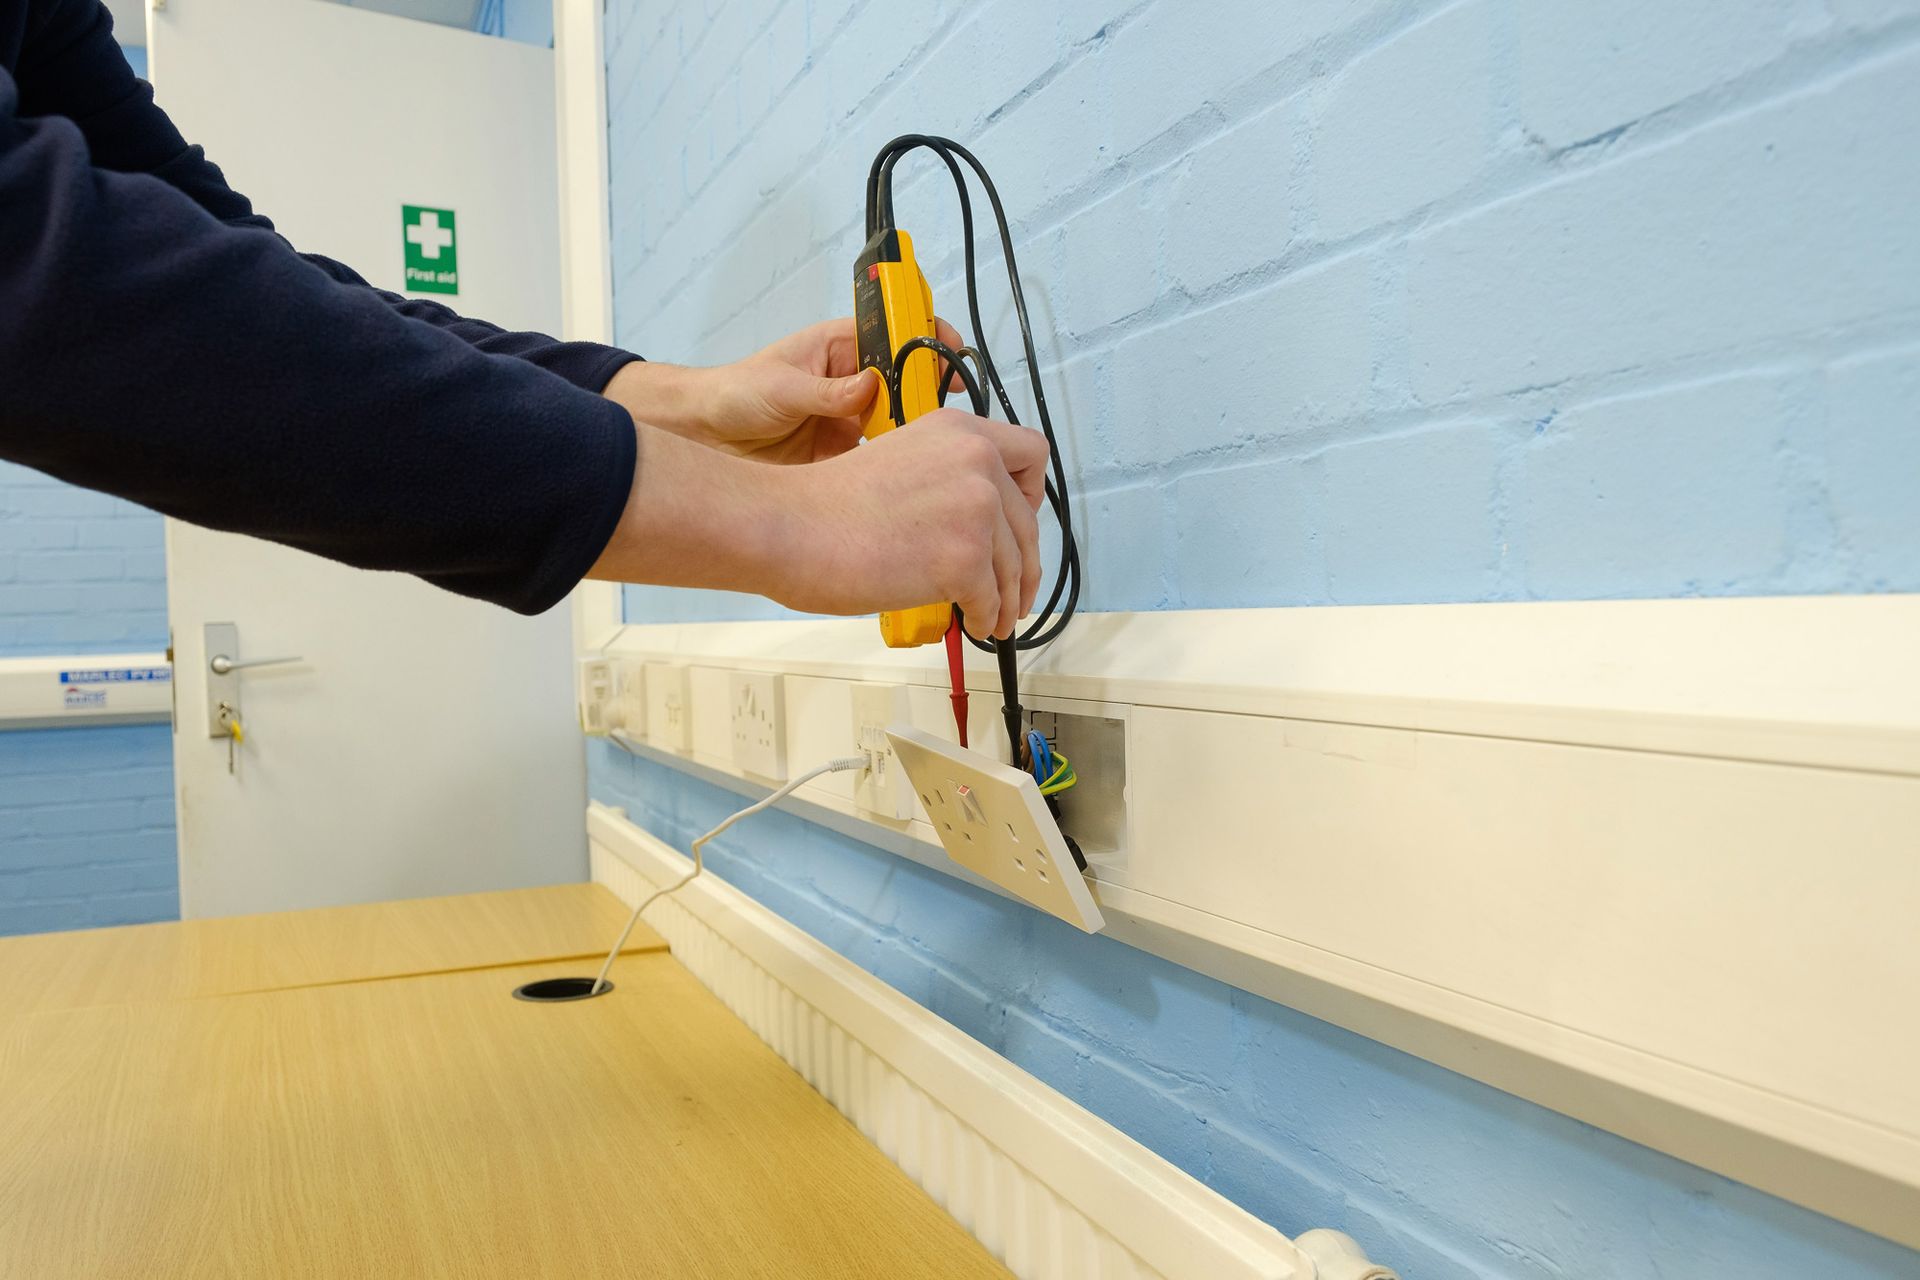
(629, 698)
(759, 724)
(669, 697)
(991, 819)
(594, 694)
(881, 788)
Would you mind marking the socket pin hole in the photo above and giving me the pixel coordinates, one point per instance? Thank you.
(1018, 863)
(1012, 834)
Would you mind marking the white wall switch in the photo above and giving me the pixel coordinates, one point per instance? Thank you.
(594, 693)
(881, 788)
(759, 724)
(991, 820)
(669, 718)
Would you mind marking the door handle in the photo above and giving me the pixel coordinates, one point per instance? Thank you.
(221, 640)
(222, 665)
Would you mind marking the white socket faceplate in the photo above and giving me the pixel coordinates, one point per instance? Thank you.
(991, 819)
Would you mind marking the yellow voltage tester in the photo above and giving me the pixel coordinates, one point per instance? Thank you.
(892, 305)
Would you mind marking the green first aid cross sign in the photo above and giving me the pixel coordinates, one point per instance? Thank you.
(433, 264)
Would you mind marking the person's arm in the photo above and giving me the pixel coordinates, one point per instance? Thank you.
(72, 67)
(209, 372)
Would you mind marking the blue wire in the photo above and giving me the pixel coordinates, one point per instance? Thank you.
(1039, 756)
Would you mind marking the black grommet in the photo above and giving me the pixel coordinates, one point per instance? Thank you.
(556, 990)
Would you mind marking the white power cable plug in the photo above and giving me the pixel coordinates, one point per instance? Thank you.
(841, 765)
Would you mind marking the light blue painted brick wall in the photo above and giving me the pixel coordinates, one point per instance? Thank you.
(86, 828)
(1340, 302)
(86, 815)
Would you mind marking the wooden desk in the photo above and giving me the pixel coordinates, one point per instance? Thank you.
(192, 958)
(433, 1126)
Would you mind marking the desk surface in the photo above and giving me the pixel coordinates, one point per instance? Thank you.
(433, 1126)
(231, 954)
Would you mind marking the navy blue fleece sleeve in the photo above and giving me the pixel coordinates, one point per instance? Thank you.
(152, 350)
(69, 65)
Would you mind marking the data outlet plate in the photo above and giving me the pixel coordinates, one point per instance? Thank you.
(629, 697)
(669, 718)
(882, 788)
(991, 820)
(759, 724)
(594, 693)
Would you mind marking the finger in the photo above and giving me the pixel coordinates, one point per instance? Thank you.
(1026, 534)
(1006, 575)
(951, 336)
(980, 602)
(1024, 453)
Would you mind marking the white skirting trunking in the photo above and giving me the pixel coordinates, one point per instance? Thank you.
(1047, 1187)
(1593, 853)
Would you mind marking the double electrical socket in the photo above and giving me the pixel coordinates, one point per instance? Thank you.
(992, 820)
(758, 711)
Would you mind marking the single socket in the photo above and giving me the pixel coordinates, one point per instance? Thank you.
(669, 718)
(594, 692)
(991, 819)
(758, 712)
(881, 788)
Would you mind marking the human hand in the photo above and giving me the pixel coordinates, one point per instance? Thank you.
(800, 399)
(943, 511)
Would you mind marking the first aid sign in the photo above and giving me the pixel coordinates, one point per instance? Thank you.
(432, 256)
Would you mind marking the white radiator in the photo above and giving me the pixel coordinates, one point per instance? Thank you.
(1050, 1189)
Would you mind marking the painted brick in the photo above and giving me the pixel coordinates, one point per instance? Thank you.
(1193, 54)
(25, 535)
(44, 917)
(1660, 493)
(1233, 201)
(1248, 533)
(74, 566)
(1429, 90)
(1652, 258)
(1583, 71)
(1873, 463)
(1124, 547)
(1410, 516)
(1107, 261)
(133, 531)
(1288, 356)
(133, 908)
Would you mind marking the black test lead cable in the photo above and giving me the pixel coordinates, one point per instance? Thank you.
(1055, 613)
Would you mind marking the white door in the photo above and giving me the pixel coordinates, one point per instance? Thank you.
(423, 744)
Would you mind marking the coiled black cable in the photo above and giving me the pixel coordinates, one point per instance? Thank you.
(1064, 598)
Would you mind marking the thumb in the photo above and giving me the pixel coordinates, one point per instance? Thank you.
(809, 393)
(840, 397)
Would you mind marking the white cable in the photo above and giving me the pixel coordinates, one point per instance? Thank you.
(699, 860)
